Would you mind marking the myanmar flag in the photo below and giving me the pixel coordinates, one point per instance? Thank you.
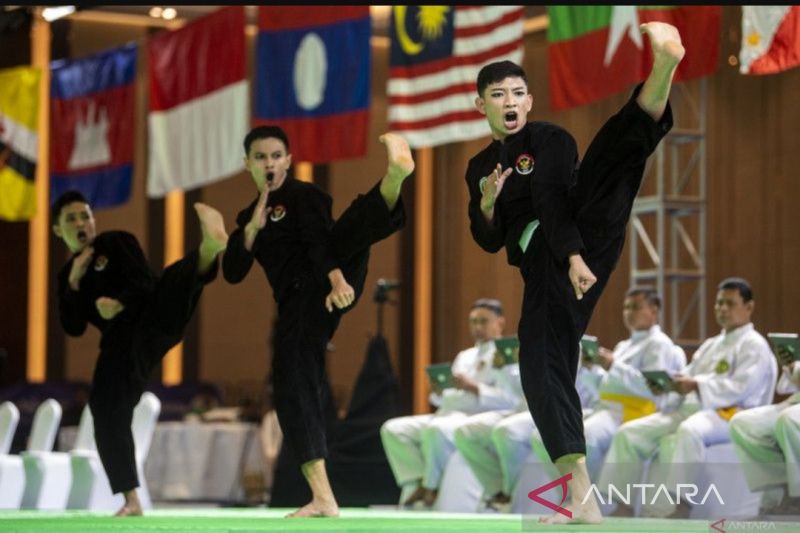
(597, 51)
(19, 115)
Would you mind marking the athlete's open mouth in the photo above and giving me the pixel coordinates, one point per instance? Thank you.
(510, 119)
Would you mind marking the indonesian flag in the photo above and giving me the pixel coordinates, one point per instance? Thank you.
(770, 39)
(199, 104)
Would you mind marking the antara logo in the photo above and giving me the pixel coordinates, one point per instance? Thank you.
(560, 482)
(684, 492)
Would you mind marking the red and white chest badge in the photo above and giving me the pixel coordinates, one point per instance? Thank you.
(524, 164)
(100, 263)
(277, 213)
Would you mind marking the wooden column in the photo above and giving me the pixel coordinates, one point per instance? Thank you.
(174, 208)
(39, 226)
(423, 275)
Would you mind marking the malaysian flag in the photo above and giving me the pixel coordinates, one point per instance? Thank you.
(436, 53)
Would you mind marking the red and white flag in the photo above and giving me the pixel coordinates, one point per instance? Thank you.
(436, 53)
(199, 104)
(770, 39)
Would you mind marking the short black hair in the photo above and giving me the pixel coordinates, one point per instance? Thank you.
(497, 72)
(740, 284)
(66, 198)
(264, 132)
(491, 304)
(648, 291)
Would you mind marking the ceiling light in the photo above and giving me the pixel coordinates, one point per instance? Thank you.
(169, 13)
(155, 12)
(54, 13)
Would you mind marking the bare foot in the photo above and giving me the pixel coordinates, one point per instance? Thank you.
(401, 164)
(215, 239)
(416, 496)
(500, 502)
(581, 514)
(665, 41)
(316, 510)
(130, 509)
(430, 497)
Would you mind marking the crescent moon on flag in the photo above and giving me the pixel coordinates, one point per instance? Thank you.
(406, 42)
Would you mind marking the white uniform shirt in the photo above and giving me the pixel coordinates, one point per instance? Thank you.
(732, 369)
(649, 349)
(586, 383)
(493, 392)
(788, 384)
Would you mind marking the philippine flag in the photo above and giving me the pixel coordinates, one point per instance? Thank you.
(313, 78)
(92, 126)
(199, 104)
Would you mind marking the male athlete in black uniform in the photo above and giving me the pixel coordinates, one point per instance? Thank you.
(317, 268)
(563, 224)
(108, 283)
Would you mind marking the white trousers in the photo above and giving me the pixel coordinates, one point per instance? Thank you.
(767, 441)
(599, 429)
(495, 445)
(419, 446)
(679, 438)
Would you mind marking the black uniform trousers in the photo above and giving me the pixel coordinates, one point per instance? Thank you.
(553, 319)
(305, 326)
(129, 351)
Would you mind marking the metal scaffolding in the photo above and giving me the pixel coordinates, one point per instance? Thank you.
(671, 207)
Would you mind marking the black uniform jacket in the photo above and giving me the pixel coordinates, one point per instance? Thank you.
(293, 246)
(119, 270)
(545, 161)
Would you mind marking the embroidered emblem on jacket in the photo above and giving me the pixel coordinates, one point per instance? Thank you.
(722, 367)
(100, 263)
(277, 213)
(524, 164)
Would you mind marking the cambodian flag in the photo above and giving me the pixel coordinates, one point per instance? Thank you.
(92, 126)
(313, 78)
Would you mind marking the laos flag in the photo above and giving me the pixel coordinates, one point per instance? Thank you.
(313, 78)
(92, 126)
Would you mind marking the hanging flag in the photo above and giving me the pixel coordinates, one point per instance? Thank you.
(92, 103)
(198, 102)
(19, 140)
(313, 78)
(597, 51)
(436, 53)
(770, 39)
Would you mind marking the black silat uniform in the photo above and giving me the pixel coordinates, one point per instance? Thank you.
(132, 343)
(581, 207)
(297, 248)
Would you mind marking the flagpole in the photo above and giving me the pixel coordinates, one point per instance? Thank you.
(38, 230)
(174, 218)
(423, 275)
(304, 171)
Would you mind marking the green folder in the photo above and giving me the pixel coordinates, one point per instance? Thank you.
(507, 351)
(440, 376)
(789, 341)
(659, 378)
(591, 348)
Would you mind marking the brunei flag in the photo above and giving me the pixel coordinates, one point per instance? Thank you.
(19, 115)
(596, 51)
